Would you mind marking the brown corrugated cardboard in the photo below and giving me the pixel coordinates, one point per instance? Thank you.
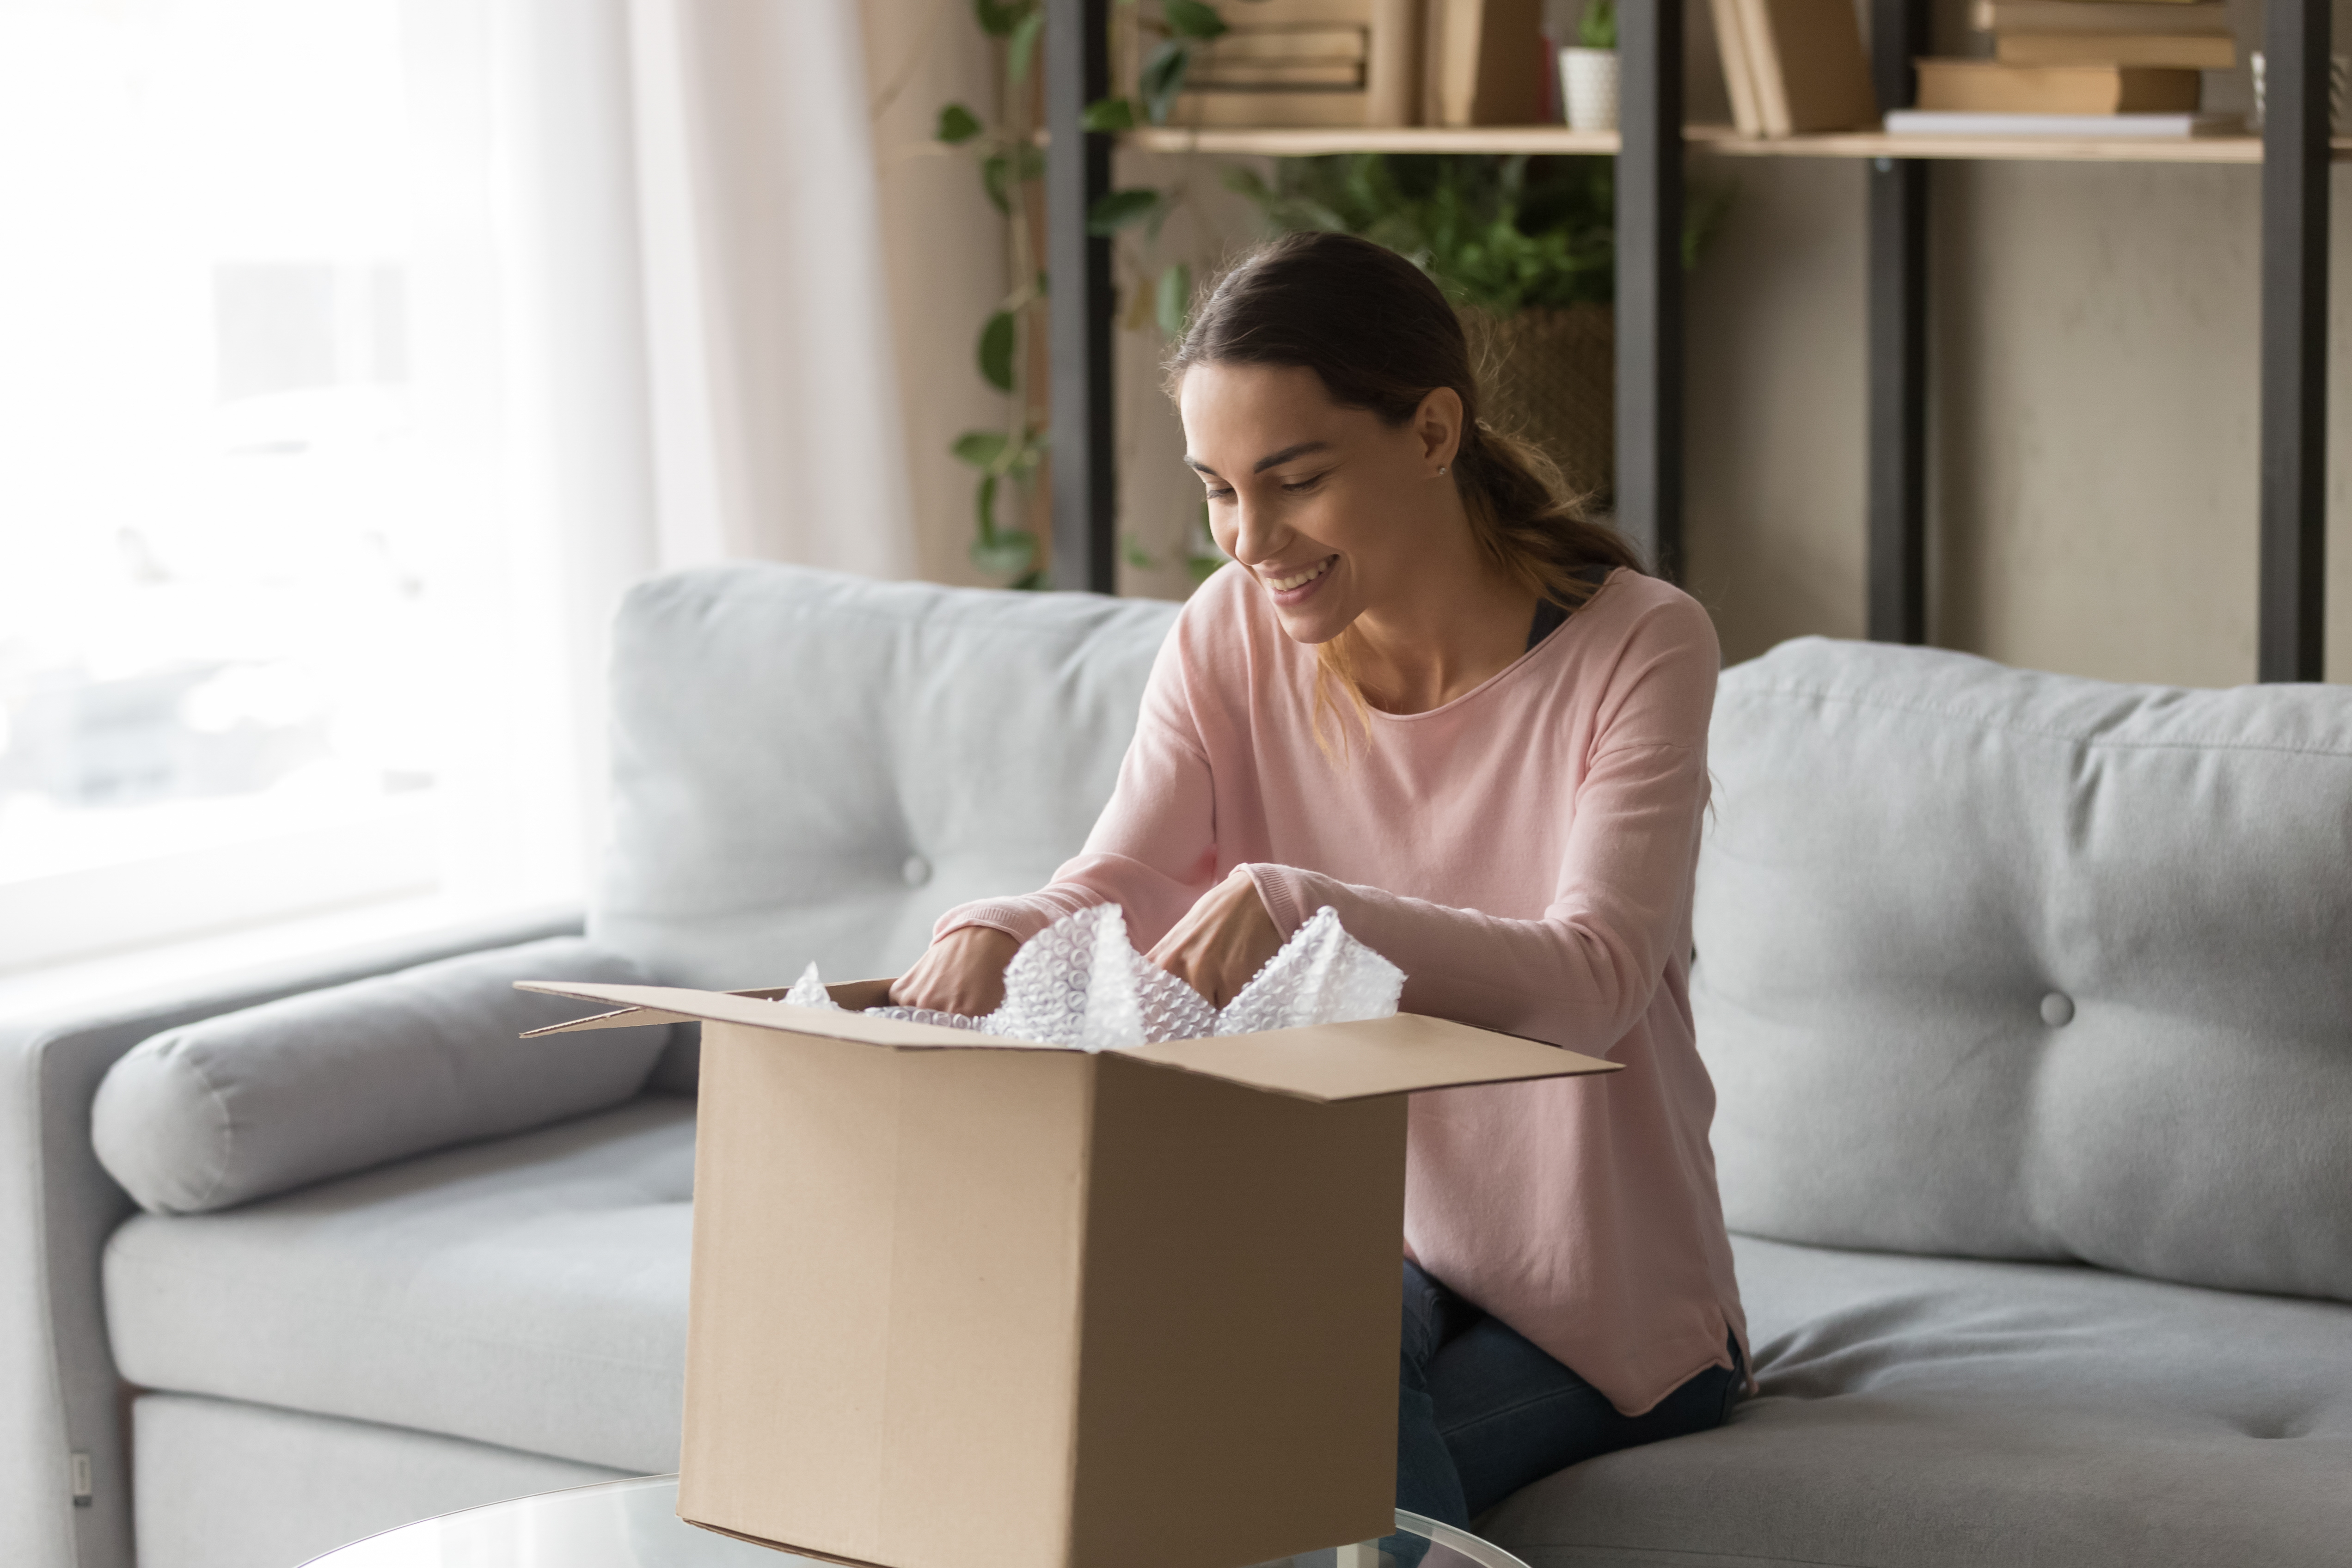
(961, 1302)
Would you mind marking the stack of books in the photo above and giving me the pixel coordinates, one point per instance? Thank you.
(2078, 68)
(1794, 67)
(1285, 62)
(1368, 62)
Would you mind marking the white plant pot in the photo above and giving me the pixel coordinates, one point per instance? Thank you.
(1588, 80)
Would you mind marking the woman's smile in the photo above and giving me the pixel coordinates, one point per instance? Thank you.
(1291, 587)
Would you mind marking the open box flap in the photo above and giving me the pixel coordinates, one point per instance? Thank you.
(672, 1004)
(624, 1017)
(1328, 1062)
(856, 994)
(1370, 1058)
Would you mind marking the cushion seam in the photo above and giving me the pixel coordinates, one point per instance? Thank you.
(206, 1199)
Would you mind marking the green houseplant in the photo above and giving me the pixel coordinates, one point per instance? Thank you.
(1010, 161)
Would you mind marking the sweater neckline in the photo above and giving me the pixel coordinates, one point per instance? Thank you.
(1559, 637)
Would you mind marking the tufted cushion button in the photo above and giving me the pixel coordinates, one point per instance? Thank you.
(917, 871)
(2057, 1009)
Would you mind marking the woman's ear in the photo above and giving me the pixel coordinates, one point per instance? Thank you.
(1437, 425)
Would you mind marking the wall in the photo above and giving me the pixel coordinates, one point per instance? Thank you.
(1159, 499)
(941, 244)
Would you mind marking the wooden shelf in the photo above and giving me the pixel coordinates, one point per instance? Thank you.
(1558, 139)
(2000, 149)
(1304, 141)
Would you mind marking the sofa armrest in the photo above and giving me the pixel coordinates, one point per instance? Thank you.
(58, 1206)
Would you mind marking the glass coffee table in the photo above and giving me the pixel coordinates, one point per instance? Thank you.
(634, 1524)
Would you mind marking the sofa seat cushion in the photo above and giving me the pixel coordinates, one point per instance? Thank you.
(1931, 1413)
(528, 1292)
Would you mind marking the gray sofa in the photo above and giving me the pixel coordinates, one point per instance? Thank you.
(2028, 1001)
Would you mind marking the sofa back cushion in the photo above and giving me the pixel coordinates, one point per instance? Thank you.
(814, 766)
(2018, 965)
(262, 1100)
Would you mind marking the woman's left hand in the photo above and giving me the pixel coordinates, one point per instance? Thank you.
(1224, 941)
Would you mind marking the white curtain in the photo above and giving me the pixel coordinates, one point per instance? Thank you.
(676, 216)
(775, 403)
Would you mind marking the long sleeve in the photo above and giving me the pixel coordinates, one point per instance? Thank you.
(1584, 973)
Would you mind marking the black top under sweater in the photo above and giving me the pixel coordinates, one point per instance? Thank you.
(1550, 617)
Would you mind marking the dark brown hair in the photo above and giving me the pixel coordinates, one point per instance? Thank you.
(1380, 336)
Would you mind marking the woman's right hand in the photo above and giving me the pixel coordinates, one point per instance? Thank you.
(964, 971)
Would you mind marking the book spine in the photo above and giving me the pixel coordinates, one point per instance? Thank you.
(2201, 19)
(1457, 85)
(1311, 44)
(1433, 61)
(1764, 61)
(2182, 53)
(1252, 75)
(2054, 90)
(1739, 72)
(1260, 110)
(1551, 99)
(1393, 66)
(1509, 88)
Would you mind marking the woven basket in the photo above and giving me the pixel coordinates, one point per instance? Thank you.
(1551, 377)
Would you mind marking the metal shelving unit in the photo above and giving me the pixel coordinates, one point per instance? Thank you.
(1558, 139)
(2294, 152)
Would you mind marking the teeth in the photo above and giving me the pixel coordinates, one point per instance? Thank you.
(1284, 585)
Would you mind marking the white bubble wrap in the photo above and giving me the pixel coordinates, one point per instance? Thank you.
(1080, 983)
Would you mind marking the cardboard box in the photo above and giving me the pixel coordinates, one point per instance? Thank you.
(963, 1302)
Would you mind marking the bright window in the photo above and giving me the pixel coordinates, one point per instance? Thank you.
(251, 647)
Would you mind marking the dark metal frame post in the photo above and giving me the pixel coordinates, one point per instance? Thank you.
(1080, 303)
(1898, 335)
(1650, 282)
(2296, 43)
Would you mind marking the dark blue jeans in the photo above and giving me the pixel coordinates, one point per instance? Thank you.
(1481, 1412)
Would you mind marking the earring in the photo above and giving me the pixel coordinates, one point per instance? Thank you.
(1441, 470)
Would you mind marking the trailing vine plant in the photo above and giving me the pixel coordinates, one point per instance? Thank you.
(1009, 164)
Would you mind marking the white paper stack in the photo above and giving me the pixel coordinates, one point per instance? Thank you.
(1956, 122)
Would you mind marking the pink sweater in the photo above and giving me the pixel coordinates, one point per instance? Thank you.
(1525, 854)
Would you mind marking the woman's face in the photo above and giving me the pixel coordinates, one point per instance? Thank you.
(1329, 508)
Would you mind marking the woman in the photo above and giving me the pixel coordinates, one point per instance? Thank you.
(1435, 698)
